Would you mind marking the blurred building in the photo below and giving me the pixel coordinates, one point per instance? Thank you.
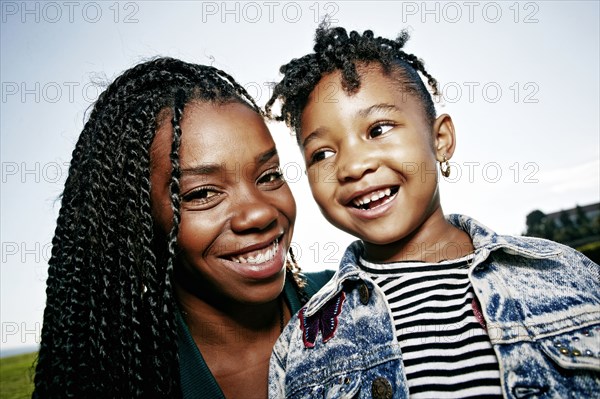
(577, 227)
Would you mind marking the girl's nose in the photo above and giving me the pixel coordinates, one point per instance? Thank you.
(355, 161)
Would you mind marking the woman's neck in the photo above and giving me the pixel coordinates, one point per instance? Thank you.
(235, 340)
(433, 241)
(232, 324)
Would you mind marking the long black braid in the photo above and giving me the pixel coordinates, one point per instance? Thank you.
(109, 323)
(336, 50)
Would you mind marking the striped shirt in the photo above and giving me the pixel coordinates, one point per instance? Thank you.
(446, 350)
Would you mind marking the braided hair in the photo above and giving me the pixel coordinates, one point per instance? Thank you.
(109, 324)
(336, 50)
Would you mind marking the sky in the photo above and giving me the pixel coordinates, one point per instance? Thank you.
(520, 80)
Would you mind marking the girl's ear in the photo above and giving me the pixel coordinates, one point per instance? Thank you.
(444, 138)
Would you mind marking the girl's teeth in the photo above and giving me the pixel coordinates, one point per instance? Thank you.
(359, 202)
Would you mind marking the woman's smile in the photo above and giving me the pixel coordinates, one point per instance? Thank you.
(258, 264)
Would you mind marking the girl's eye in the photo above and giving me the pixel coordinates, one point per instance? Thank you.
(380, 129)
(272, 177)
(320, 155)
(201, 195)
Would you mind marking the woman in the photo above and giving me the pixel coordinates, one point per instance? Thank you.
(170, 274)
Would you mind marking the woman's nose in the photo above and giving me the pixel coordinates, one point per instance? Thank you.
(253, 212)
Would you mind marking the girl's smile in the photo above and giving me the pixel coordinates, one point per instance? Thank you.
(375, 198)
(374, 203)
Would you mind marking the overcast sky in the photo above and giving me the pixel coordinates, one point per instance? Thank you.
(520, 80)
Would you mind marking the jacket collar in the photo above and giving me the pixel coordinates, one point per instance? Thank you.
(348, 270)
(484, 240)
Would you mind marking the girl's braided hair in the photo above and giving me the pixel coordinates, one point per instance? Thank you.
(109, 324)
(336, 50)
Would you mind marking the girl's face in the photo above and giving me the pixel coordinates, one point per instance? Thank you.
(237, 212)
(371, 156)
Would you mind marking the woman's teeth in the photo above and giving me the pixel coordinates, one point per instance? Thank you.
(364, 200)
(258, 256)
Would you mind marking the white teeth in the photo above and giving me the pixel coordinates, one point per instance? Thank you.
(365, 199)
(264, 255)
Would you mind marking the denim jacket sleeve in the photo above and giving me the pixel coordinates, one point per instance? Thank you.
(541, 302)
(277, 364)
(341, 345)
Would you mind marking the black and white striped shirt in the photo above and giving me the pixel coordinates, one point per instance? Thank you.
(446, 350)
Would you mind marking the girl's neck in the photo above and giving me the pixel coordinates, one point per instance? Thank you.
(433, 241)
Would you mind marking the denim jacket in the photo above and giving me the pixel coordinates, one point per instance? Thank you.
(540, 300)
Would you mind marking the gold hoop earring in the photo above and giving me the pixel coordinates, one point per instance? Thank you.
(445, 167)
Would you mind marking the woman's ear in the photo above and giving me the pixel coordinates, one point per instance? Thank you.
(444, 138)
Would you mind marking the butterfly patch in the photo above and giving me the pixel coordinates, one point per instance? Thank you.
(325, 320)
(478, 314)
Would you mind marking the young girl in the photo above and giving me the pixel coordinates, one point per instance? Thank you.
(423, 305)
(170, 274)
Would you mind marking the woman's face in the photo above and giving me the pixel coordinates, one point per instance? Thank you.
(237, 212)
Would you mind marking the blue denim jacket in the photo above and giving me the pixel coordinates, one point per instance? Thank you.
(540, 299)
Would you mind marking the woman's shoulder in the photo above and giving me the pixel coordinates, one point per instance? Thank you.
(316, 280)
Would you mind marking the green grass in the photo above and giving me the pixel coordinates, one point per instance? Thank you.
(16, 376)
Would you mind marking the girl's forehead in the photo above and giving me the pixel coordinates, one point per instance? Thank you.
(394, 74)
(376, 82)
(373, 78)
(380, 95)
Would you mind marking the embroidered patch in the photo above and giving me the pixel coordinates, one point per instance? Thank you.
(478, 314)
(325, 320)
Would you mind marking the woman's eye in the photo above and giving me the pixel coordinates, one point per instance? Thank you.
(320, 155)
(201, 195)
(272, 177)
(378, 130)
